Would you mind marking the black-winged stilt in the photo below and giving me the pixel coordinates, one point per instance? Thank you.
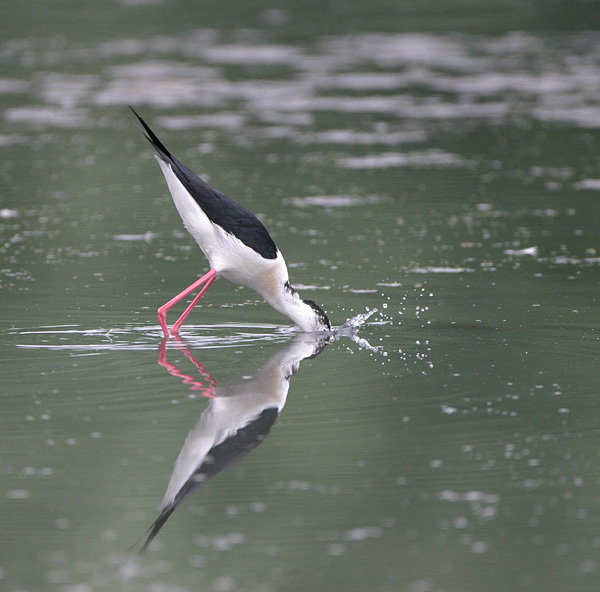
(235, 242)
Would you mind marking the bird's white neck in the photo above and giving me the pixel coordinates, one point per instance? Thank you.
(305, 313)
(268, 277)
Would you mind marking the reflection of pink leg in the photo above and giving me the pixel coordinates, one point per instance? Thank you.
(212, 383)
(193, 385)
(207, 279)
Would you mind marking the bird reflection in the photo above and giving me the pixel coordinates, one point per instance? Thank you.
(236, 420)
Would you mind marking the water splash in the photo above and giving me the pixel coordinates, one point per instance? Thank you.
(356, 321)
(350, 329)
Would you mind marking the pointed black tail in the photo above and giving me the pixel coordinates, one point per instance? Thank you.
(152, 138)
(154, 528)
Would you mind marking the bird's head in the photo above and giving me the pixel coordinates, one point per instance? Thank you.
(320, 319)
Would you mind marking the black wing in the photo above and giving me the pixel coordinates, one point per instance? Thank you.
(220, 209)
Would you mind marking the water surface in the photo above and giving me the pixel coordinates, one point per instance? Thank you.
(441, 170)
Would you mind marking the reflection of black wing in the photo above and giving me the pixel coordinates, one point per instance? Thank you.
(218, 458)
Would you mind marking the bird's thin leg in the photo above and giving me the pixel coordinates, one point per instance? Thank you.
(212, 276)
(207, 279)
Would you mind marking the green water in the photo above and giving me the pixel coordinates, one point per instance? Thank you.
(440, 166)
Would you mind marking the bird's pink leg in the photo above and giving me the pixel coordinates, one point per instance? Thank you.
(207, 279)
(188, 310)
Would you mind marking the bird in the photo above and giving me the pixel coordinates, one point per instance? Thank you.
(236, 243)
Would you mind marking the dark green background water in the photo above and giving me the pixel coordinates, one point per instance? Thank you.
(437, 162)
